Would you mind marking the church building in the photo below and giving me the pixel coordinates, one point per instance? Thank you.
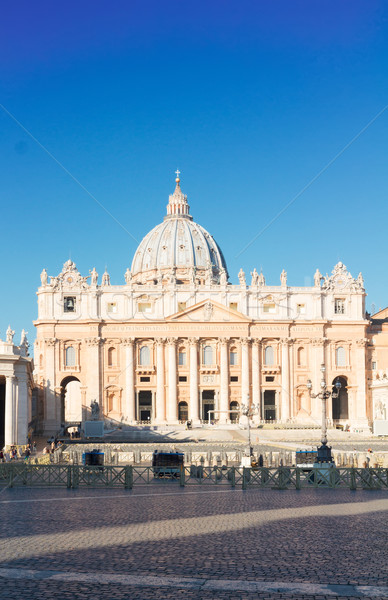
(176, 341)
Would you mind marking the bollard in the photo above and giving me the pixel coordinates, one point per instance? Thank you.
(182, 476)
(128, 477)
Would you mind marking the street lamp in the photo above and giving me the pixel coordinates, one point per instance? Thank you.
(249, 411)
(324, 451)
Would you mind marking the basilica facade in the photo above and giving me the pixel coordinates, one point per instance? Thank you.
(176, 341)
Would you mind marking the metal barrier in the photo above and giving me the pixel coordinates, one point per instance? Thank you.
(282, 478)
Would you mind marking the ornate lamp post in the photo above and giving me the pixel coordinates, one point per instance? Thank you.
(249, 411)
(324, 451)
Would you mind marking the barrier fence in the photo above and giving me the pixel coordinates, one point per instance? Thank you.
(127, 477)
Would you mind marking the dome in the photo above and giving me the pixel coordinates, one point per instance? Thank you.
(178, 249)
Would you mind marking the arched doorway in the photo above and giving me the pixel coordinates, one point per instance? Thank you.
(71, 402)
(183, 411)
(234, 408)
(208, 404)
(340, 408)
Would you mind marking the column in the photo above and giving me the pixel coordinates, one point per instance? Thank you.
(52, 412)
(285, 398)
(93, 372)
(256, 370)
(224, 381)
(244, 370)
(10, 411)
(359, 412)
(22, 391)
(172, 409)
(194, 405)
(160, 396)
(129, 398)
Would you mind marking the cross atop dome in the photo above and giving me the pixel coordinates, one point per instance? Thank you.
(177, 204)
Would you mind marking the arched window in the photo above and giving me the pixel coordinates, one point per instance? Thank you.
(182, 357)
(145, 356)
(183, 411)
(301, 356)
(233, 356)
(208, 355)
(269, 356)
(340, 358)
(70, 357)
(235, 407)
(111, 357)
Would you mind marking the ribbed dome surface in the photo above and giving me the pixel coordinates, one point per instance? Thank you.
(178, 243)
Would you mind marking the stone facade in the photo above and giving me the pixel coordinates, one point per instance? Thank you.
(16, 384)
(176, 341)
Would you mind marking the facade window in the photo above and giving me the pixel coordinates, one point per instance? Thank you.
(234, 379)
(374, 365)
(144, 307)
(269, 356)
(112, 307)
(181, 306)
(301, 357)
(111, 356)
(270, 378)
(145, 379)
(270, 307)
(182, 378)
(340, 357)
(182, 357)
(339, 306)
(144, 356)
(233, 305)
(233, 357)
(208, 355)
(301, 309)
(69, 304)
(70, 357)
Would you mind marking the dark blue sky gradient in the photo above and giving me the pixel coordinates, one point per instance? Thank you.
(249, 99)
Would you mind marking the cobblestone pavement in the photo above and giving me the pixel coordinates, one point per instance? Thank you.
(195, 544)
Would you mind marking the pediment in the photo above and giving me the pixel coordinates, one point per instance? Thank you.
(209, 311)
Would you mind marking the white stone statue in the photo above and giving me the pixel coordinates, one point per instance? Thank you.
(261, 279)
(23, 339)
(172, 276)
(317, 278)
(105, 278)
(255, 277)
(128, 276)
(95, 407)
(192, 273)
(360, 281)
(44, 278)
(10, 333)
(223, 277)
(283, 277)
(209, 274)
(241, 277)
(93, 276)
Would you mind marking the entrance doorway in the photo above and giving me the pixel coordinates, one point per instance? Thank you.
(145, 405)
(340, 404)
(2, 414)
(269, 405)
(183, 412)
(208, 404)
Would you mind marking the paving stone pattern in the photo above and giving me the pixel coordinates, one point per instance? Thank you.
(198, 544)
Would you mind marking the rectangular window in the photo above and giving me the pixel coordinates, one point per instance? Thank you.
(182, 378)
(233, 358)
(301, 309)
(69, 304)
(144, 307)
(181, 306)
(339, 306)
(234, 378)
(182, 359)
(112, 307)
(270, 378)
(269, 308)
(374, 365)
(145, 379)
(233, 305)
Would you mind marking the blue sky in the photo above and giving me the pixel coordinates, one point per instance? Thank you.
(249, 99)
